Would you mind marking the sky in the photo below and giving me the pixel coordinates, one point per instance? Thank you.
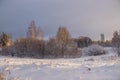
(81, 17)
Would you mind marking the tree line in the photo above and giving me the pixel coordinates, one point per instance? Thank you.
(60, 46)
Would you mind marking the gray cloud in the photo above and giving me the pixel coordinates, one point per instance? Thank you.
(82, 17)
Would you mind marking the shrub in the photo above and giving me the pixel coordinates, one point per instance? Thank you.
(93, 50)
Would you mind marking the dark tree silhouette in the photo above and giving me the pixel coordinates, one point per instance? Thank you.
(83, 42)
(116, 41)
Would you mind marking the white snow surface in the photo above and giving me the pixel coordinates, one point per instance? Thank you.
(105, 67)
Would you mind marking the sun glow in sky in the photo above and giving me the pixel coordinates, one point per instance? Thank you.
(81, 17)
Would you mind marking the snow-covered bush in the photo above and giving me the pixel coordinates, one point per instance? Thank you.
(93, 50)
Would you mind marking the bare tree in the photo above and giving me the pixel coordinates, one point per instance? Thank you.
(34, 32)
(31, 30)
(29, 47)
(39, 33)
(65, 43)
(51, 49)
(63, 36)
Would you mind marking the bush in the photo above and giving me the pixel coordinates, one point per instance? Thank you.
(93, 50)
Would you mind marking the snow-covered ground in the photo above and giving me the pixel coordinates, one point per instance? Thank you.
(105, 67)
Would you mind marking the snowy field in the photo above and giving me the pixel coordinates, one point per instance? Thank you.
(105, 67)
